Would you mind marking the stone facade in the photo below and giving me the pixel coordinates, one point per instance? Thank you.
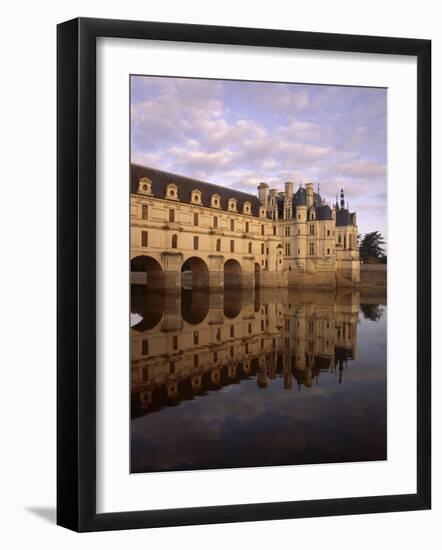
(192, 234)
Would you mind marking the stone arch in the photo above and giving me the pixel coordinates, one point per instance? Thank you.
(146, 270)
(194, 273)
(232, 274)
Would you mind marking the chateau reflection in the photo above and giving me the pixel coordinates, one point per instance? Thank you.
(199, 342)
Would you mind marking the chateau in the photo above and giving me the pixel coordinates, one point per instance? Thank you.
(187, 233)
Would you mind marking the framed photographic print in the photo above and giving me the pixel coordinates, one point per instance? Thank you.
(243, 274)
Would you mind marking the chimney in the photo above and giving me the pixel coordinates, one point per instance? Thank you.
(309, 188)
(289, 189)
(263, 193)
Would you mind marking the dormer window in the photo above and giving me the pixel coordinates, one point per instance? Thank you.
(232, 204)
(247, 207)
(215, 201)
(172, 192)
(196, 196)
(262, 212)
(145, 186)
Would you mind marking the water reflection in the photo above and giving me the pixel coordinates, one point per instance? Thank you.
(232, 362)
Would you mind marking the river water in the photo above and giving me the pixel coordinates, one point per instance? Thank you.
(246, 379)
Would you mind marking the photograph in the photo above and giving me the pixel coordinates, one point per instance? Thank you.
(258, 271)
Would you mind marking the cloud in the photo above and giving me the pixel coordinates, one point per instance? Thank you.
(363, 169)
(238, 134)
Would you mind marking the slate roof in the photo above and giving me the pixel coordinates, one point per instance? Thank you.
(343, 217)
(323, 211)
(161, 179)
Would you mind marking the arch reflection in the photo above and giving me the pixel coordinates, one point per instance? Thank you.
(201, 342)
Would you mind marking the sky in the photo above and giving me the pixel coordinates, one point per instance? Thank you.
(239, 133)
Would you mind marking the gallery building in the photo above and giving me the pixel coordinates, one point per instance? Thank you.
(192, 234)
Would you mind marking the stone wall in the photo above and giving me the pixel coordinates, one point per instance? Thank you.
(373, 275)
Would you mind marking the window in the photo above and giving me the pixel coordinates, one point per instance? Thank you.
(246, 348)
(339, 239)
(312, 229)
(195, 243)
(232, 351)
(145, 347)
(195, 338)
(196, 218)
(287, 250)
(328, 232)
(262, 229)
(218, 334)
(250, 328)
(174, 241)
(196, 197)
(232, 331)
(145, 186)
(172, 191)
(328, 251)
(287, 230)
(267, 251)
(144, 238)
(195, 360)
(247, 227)
(262, 248)
(250, 248)
(144, 212)
(299, 252)
(232, 225)
(171, 367)
(175, 342)
(215, 222)
(218, 245)
(232, 246)
(274, 230)
(312, 249)
(172, 215)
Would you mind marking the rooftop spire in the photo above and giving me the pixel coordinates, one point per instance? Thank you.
(342, 199)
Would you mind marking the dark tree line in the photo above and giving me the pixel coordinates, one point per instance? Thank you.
(371, 248)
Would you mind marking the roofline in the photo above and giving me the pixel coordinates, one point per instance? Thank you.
(196, 181)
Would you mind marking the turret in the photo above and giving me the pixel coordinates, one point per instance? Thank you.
(263, 193)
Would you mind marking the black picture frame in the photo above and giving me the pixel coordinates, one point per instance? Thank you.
(76, 273)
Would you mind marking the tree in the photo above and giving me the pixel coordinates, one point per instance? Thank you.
(373, 312)
(371, 249)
